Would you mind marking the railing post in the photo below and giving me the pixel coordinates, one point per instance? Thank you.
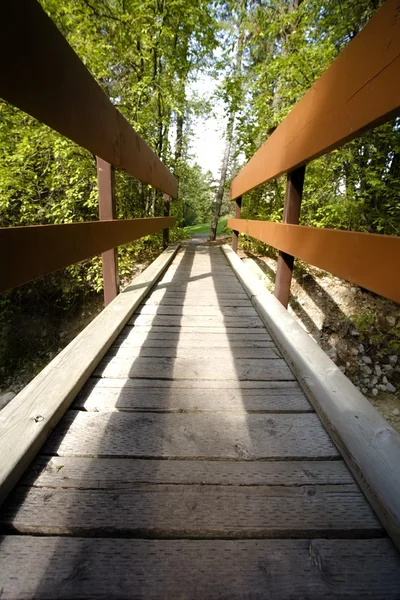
(235, 234)
(167, 202)
(107, 212)
(291, 214)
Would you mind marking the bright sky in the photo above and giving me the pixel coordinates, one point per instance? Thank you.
(208, 142)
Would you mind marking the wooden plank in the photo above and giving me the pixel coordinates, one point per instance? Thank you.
(252, 332)
(27, 420)
(365, 79)
(126, 473)
(35, 251)
(185, 310)
(107, 212)
(369, 445)
(77, 568)
(190, 341)
(191, 368)
(191, 384)
(176, 299)
(183, 400)
(182, 352)
(361, 258)
(199, 322)
(194, 511)
(44, 77)
(204, 436)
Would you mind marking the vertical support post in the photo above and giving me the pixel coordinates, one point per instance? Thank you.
(235, 234)
(167, 202)
(291, 214)
(107, 212)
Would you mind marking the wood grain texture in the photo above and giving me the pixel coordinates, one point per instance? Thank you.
(77, 568)
(274, 399)
(358, 91)
(197, 311)
(190, 368)
(218, 353)
(44, 77)
(194, 511)
(27, 420)
(199, 321)
(126, 473)
(215, 436)
(34, 251)
(361, 258)
(370, 446)
(215, 337)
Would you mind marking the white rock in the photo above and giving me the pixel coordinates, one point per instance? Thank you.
(378, 370)
(374, 380)
(364, 390)
(367, 360)
(6, 398)
(393, 360)
(366, 370)
(332, 353)
(396, 412)
(387, 368)
(342, 368)
(382, 387)
(354, 351)
(361, 348)
(374, 392)
(391, 321)
(384, 379)
(390, 388)
(354, 333)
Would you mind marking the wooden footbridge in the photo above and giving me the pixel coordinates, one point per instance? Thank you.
(193, 441)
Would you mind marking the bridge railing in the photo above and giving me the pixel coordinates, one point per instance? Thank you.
(360, 90)
(43, 76)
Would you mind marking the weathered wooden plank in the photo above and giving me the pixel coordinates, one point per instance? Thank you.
(365, 79)
(77, 568)
(26, 421)
(370, 446)
(190, 368)
(221, 329)
(135, 342)
(357, 257)
(200, 321)
(202, 511)
(172, 336)
(124, 473)
(184, 400)
(190, 384)
(37, 250)
(218, 435)
(169, 299)
(44, 77)
(177, 351)
(194, 311)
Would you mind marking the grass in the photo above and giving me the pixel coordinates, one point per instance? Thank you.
(205, 227)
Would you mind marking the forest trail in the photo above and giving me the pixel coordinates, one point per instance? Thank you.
(192, 465)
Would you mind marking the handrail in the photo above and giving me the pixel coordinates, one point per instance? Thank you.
(41, 74)
(362, 258)
(34, 251)
(359, 90)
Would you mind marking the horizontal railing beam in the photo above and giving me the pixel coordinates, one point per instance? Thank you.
(358, 91)
(34, 251)
(366, 259)
(41, 74)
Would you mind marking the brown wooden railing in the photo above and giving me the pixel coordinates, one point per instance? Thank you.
(361, 89)
(42, 75)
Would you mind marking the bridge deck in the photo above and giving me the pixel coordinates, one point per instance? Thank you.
(192, 465)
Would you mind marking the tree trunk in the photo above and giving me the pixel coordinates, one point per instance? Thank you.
(219, 196)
